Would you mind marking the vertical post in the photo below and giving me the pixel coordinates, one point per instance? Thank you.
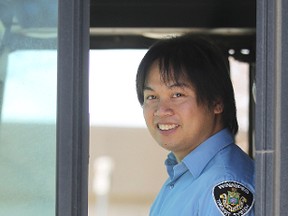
(72, 108)
(271, 108)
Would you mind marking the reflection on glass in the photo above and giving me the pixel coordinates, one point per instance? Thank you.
(28, 71)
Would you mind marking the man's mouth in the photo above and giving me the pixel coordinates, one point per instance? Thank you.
(165, 127)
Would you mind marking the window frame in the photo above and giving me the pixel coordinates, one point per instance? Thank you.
(72, 108)
(271, 130)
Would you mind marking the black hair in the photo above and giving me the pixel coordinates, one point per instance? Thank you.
(202, 63)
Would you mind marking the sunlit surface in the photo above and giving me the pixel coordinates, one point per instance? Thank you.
(240, 80)
(113, 100)
(30, 87)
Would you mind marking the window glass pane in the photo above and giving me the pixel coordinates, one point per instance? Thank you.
(28, 74)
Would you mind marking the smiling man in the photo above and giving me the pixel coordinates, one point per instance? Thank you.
(184, 87)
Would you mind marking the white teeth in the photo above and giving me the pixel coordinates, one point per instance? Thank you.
(167, 126)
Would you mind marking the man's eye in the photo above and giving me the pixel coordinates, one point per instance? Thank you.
(150, 97)
(177, 95)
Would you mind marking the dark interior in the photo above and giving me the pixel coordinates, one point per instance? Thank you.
(137, 23)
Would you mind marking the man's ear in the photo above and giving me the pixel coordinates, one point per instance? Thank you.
(218, 106)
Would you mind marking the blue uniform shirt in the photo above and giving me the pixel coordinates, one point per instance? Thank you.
(216, 178)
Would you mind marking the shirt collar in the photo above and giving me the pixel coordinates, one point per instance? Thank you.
(200, 156)
(175, 169)
(196, 160)
(170, 163)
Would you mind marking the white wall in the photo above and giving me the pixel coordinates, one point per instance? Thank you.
(139, 169)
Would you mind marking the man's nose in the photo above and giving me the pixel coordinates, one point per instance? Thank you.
(163, 108)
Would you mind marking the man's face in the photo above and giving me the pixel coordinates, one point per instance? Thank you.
(173, 116)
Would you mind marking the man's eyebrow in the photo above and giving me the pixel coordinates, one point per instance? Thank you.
(170, 86)
(147, 88)
(179, 84)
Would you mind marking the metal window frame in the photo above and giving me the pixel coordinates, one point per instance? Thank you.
(271, 108)
(72, 108)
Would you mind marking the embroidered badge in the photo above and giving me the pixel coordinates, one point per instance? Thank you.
(233, 198)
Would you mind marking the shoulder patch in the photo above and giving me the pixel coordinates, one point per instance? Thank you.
(233, 198)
